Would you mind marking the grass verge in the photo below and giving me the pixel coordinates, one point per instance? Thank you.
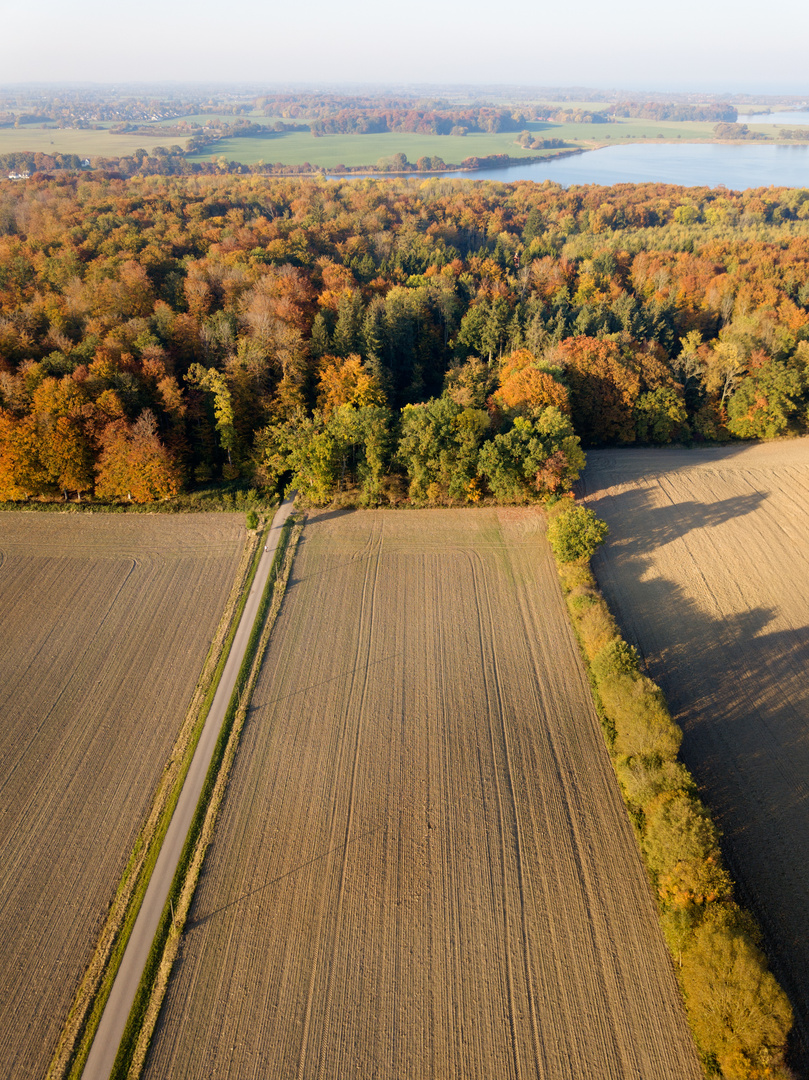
(82, 1021)
(154, 981)
(739, 1015)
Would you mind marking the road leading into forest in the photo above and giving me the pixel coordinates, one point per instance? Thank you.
(113, 1021)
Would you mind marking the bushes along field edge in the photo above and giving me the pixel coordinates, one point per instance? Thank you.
(739, 1015)
(154, 981)
(93, 991)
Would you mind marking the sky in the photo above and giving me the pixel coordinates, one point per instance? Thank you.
(627, 44)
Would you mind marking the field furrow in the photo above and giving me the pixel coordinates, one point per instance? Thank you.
(422, 867)
(105, 629)
(707, 568)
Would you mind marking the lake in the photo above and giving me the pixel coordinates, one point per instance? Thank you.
(783, 119)
(689, 164)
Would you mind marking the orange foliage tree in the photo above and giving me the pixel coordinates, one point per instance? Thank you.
(526, 389)
(134, 464)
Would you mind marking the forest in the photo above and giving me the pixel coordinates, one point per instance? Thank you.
(425, 340)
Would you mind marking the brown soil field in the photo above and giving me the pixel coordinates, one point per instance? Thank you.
(707, 570)
(422, 867)
(106, 621)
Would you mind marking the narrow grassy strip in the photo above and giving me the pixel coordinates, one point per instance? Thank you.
(146, 1007)
(739, 1015)
(82, 1021)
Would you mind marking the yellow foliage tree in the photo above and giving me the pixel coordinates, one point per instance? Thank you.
(346, 382)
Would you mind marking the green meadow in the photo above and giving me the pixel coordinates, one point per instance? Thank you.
(298, 147)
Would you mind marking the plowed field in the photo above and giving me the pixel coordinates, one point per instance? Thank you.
(105, 623)
(423, 868)
(707, 567)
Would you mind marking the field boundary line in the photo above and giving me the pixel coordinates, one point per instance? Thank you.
(81, 1023)
(143, 1017)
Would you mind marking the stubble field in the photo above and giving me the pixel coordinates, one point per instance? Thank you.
(422, 867)
(106, 621)
(707, 569)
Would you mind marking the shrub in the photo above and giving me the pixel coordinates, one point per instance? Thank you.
(682, 850)
(642, 722)
(615, 658)
(739, 1014)
(251, 519)
(575, 534)
(596, 627)
(576, 575)
(642, 779)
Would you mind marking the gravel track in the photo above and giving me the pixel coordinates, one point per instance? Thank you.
(106, 621)
(422, 866)
(707, 569)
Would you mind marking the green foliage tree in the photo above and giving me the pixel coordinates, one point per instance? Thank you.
(438, 446)
(533, 458)
(215, 383)
(322, 456)
(682, 849)
(660, 415)
(768, 402)
(575, 533)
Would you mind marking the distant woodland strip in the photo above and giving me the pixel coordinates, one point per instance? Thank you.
(427, 342)
(738, 1013)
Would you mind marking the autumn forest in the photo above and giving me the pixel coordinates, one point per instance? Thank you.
(437, 341)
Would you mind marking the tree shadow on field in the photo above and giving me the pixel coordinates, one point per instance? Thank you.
(737, 684)
(330, 515)
(664, 524)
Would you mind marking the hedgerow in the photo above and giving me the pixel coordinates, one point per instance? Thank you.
(739, 1015)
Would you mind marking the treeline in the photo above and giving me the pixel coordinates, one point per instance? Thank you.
(422, 121)
(712, 112)
(187, 322)
(573, 116)
(738, 1013)
(23, 161)
(531, 142)
(738, 131)
(508, 436)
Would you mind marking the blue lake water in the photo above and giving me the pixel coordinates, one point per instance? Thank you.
(689, 164)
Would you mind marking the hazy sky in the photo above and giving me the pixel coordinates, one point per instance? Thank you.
(686, 44)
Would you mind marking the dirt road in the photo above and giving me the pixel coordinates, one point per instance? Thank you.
(707, 568)
(110, 1030)
(422, 867)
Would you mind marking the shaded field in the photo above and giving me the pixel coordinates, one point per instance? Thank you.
(106, 621)
(422, 866)
(707, 570)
